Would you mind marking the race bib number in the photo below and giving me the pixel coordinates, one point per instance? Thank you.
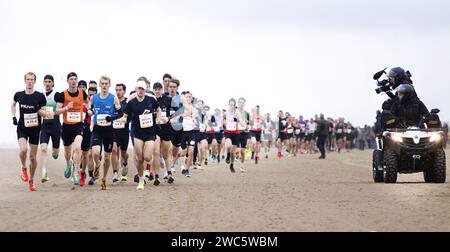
(231, 125)
(339, 131)
(101, 121)
(118, 124)
(49, 110)
(146, 121)
(30, 120)
(297, 132)
(290, 131)
(74, 117)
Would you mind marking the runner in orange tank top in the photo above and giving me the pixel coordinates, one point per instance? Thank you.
(70, 104)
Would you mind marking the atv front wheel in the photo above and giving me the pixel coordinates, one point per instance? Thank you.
(377, 161)
(437, 172)
(391, 166)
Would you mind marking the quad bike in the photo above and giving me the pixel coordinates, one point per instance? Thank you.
(402, 149)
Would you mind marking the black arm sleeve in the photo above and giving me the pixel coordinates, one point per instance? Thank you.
(391, 95)
(17, 97)
(42, 101)
(59, 97)
(118, 113)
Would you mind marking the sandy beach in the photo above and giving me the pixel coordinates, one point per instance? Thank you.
(291, 194)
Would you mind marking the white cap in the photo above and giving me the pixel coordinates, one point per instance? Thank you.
(141, 84)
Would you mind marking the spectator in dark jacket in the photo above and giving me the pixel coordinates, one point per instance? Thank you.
(323, 128)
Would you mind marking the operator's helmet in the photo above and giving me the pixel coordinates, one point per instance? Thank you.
(397, 73)
(406, 89)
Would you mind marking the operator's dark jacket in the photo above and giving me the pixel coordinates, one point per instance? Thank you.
(410, 110)
(323, 128)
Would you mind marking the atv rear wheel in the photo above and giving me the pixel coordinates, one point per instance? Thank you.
(391, 166)
(437, 172)
(377, 161)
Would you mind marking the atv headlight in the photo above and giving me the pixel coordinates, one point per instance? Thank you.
(397, 137)
(435, 138)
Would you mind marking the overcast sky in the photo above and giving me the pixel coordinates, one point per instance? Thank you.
(305, 57)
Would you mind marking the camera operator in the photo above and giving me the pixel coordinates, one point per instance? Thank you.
(397, 76)
(408, 107)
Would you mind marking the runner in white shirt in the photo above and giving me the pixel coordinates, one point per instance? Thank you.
(231, 121)
(269, 129)
(256, 123)
(202, 137)
(312, 134)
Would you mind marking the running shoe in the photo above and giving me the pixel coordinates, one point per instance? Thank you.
(115, 178)
(147, 174)
(136, 178)
(206, 161)
(151, 176)
(91, 181)
(157, 182)
(82, 178)
(103, 184)
(218, 159)
(68, 171)
(200, 168)
(124, 179)
(182, 168)
(166, 175)
(31, 186)
(228, 158)
(267, 156)
(256, 159)
(253, 155)
(171, 179)
(45, 177)
(279, 154)
(242, 169)
(232, 168)
(97, 172)
(140, 186)
(173, 170)
(55, 156)
(76, 179)
(186, 173)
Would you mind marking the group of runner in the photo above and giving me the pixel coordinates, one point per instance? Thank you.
(167, 128)
(299, 136)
